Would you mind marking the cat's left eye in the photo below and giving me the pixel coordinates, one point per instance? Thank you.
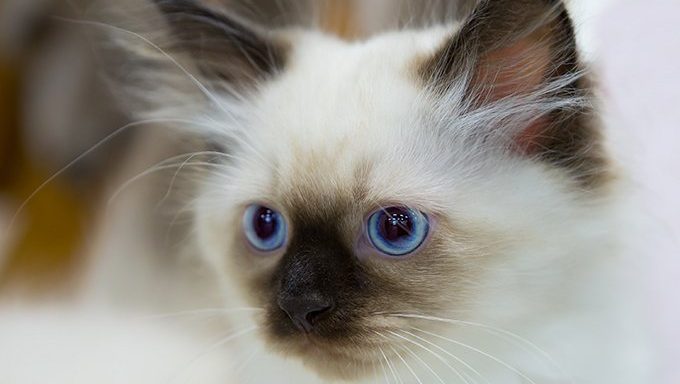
(264, 227)
(397, 231)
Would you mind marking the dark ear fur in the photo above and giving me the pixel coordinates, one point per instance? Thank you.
(222, 46)
(510, 48)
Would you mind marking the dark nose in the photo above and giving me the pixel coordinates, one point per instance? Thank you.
(306, 311)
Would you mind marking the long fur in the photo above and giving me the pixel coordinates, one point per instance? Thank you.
(519, 282)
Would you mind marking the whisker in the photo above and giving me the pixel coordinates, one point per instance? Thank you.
(203, 311)
(154, 169)
(406, 364)
(70, 164)
(217, 345)
(191, 77)
(437, 356)
(423, 363)
(521, 341)
(174, 176)
(247, 361)
(389, 365)
(382, 365)
(497, 360)
(176, 63)
(458, 359)
(183, 210)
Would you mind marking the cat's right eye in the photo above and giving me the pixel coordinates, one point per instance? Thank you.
(264, 227)
(397, 231)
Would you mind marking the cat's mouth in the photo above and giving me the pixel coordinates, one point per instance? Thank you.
(347, 358)
(337, 348)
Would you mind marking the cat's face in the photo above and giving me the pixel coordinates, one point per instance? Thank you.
(305, 234)
(376, 182)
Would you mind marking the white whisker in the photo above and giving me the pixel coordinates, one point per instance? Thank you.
(183, 210)
(382, 365)
(193, 78)
(408, 366)
(86, 153)
(214, 99)
(440, 358)
(493, 330)
(497, 360)
(203, 311)
(245, 363)
(421, 360)
(155, 169)
(389, 365)
(446, 352)
(217, 345)
(174, 176)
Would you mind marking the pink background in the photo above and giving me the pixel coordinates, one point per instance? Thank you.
(639, 56)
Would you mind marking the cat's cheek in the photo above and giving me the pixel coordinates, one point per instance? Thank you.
(210, 229)
(225, 248)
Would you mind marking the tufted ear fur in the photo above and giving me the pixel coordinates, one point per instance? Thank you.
(522, 54)
(221, 45)
(176, 60)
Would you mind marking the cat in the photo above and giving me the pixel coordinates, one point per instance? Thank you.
(425, 205)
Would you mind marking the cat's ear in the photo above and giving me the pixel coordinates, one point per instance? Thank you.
(222, 46)
(512, 46)
(177, 60)
(520, 57)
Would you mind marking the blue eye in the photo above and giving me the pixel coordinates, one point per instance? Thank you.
(264, 227)
(397, 231)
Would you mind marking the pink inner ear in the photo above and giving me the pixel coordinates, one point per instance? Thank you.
(517, 69)
(529, 140)
(514, 70)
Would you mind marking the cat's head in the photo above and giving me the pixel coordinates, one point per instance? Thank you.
(368, 185)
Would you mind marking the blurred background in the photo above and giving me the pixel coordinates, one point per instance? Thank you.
(55, 106)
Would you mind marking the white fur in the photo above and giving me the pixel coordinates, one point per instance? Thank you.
(552, 260)
(555, 280)
(67, 346)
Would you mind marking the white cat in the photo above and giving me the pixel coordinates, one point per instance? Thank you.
(423, 206)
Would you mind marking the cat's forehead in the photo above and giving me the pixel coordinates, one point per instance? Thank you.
(332, 89)
(342, 118)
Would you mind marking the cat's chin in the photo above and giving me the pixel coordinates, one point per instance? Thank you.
(330, 360)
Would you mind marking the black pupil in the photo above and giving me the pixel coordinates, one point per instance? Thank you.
(396, 224)
(265, 223)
